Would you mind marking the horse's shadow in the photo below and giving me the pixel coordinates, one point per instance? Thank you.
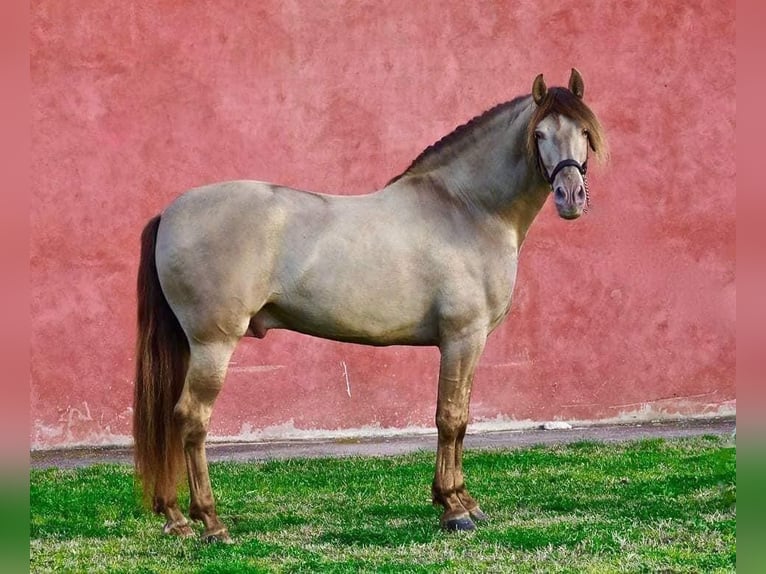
(379, 525)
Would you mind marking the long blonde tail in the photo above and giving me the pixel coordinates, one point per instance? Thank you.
(162, 358)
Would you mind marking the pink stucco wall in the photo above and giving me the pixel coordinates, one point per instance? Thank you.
(627, 313)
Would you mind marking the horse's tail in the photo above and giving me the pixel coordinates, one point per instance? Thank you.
(162, 358)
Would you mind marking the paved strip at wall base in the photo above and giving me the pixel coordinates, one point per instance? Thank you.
(390, 446)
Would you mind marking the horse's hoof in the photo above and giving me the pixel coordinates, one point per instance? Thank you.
(463, 524)
(478, 514)
(217, 537)
(181, 529)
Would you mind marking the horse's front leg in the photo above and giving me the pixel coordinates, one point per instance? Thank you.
(468, 501)
(458, 362)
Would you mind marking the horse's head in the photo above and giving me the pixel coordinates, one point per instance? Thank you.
(561, 131)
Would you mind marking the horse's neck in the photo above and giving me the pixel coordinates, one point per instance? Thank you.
(493, 175)
(524, 209)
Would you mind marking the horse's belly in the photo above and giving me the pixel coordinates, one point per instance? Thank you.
(343, 323)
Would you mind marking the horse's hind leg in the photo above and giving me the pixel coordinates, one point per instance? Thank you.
(204, 379)
(166, 502)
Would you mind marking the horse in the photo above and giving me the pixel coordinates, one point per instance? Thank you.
(429, 259)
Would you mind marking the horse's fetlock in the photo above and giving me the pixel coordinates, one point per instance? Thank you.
(196, 512)
(158, 505)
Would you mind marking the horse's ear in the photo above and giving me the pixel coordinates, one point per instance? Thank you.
(576, 85)
(539, 89)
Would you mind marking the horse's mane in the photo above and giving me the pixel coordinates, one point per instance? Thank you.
(456, 135)
(557, 100)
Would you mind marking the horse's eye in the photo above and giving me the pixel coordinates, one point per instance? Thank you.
(586, 133)
(539, 135)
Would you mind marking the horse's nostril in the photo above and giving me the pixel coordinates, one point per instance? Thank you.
(581, 193)
(560, 193)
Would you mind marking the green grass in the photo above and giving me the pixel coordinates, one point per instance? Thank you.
(649, 506)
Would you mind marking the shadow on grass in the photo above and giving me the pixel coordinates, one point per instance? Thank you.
(382, 535)
(247, 524)
(559, 535)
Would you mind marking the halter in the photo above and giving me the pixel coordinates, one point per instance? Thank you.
(581, 167)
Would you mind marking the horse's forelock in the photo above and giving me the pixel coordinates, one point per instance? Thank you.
(563, 102)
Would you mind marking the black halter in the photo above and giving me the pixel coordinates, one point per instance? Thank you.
(581, 167)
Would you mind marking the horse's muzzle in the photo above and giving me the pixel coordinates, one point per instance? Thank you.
(570, 214)
(570, 199)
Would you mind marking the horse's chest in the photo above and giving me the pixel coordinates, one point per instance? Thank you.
(499, 291)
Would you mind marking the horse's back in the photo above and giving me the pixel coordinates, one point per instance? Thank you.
(226, 250)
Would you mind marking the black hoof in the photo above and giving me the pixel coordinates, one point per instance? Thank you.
(478, 515)
(458, 524)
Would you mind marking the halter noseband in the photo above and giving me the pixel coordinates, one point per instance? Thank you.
(581, 167)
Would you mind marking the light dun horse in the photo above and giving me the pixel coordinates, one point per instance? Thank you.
(430, 259)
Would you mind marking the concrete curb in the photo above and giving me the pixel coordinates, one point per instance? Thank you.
(381, 446)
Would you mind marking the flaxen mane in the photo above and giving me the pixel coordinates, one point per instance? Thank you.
(557, 101)
(456, 135)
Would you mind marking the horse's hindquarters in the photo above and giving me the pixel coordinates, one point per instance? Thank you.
(215, 256)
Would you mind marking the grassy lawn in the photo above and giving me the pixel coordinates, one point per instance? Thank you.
(649, 506)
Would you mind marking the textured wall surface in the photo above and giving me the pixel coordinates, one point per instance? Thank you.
(627, 313)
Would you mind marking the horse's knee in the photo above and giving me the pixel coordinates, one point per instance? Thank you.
(451, 422)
